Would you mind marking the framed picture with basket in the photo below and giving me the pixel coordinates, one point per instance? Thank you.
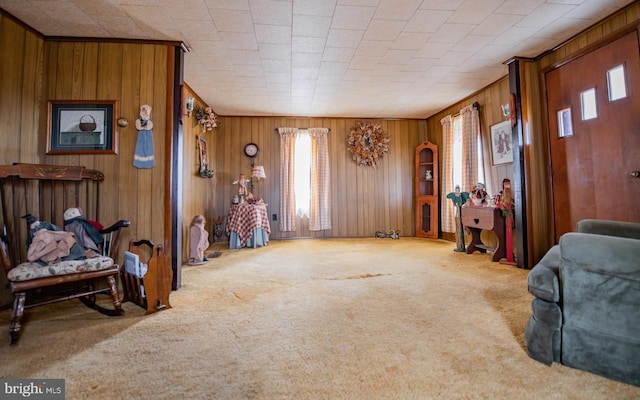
(82, 127)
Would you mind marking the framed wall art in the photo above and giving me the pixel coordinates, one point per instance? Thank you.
(501, 146)
(82, 127)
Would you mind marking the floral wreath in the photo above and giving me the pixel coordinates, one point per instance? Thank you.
(368, 143)
(207, 118)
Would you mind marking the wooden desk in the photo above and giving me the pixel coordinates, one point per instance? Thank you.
(480, 218)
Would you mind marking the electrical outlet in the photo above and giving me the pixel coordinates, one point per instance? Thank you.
(274, 217)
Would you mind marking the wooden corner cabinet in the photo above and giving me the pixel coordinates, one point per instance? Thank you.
(427, 190)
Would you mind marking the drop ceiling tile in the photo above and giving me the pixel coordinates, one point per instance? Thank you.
(228, 4)
(304, 73)
(451, 33)
(519, 7)
(544, 15)
(427, 21)
(398, 10)
(474, 12)
(340, 54)
(349, 17)
(496, 24)
(306, 60)
(333, 68)
(275, 51)
(398, 57)
(441, 5)
(373, 48)
(203, 30)
(239, 41)
(344, 38)
(233, 21)
(322, 8)
(302, 44)
(515, 35)
(383, 30)
(276, 65)
(410, 40)
(473, 43)
(273, 34)
(313, 26)
(277, 77)
(270, 12)
(434, 50)
(239, 57)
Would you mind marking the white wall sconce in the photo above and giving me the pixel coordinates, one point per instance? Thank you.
(188, 105)
(506, 110)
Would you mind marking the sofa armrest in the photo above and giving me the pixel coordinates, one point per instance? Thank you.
(609, 228)
(603, 254)
(542, 280)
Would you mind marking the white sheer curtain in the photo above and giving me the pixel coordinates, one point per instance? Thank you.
(320, 206)
(287, 179)
(446, 176)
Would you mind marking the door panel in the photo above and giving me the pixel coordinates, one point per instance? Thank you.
(591, 170)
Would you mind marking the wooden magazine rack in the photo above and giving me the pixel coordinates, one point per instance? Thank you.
(151, 291)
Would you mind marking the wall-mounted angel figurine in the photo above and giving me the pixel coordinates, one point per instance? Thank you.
(143, 157)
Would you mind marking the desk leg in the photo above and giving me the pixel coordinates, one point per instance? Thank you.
(501, 249)
(475, 241)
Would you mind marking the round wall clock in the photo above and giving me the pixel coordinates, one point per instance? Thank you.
(251, 150)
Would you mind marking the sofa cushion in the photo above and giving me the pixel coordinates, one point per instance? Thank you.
(542, 280)
(33, 270)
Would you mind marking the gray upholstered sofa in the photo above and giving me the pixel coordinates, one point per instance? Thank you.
(586, 306)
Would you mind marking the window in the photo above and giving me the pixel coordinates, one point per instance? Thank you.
(305, 178)
(456, 155)
(565, 126)
(588, 102)
(302, 176)
(456, 152)
(616, 83)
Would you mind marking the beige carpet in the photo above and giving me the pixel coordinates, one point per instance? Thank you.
(310, 319)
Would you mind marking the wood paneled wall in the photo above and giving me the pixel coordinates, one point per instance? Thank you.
(34, 70)
(21, 54)
(364, 199)
(199, 193)
(133, 74)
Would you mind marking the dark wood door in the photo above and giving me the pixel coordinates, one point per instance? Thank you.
(592, 168)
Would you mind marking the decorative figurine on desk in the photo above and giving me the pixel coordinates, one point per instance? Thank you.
(143, 156)
(505, 202)
(243, 191)
(218, 229)
(199, 241)
(459, 199)
(479, 195)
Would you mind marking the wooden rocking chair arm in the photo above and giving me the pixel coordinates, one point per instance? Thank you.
(123, 223)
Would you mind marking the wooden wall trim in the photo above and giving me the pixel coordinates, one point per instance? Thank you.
(590, 47)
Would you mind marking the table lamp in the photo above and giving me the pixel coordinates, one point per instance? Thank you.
(257, 171)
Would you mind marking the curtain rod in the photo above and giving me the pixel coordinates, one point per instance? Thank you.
(301, 129)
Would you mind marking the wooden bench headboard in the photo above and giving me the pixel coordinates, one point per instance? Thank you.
(44, 191)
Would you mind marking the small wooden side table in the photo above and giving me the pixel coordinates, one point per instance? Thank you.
(478, 218)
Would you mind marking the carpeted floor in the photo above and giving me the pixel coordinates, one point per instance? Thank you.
(310, 319)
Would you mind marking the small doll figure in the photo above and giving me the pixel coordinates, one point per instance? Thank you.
(35, 225)
(242, 183)
(479, 195)
(459, 199)
(143, 157)
(84, 231)
(199, 241)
